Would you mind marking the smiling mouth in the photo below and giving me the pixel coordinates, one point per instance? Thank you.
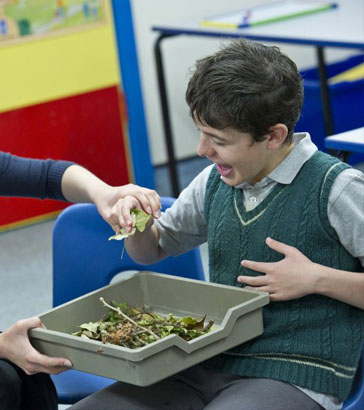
(224, 170)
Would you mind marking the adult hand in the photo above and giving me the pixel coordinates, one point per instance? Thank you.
(115, 203)
(121, 214)
(291, 278)
(81, 185)
(16, 347)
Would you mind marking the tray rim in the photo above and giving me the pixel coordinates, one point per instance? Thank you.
(225, 327)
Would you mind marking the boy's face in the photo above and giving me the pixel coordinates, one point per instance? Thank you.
(237, 157)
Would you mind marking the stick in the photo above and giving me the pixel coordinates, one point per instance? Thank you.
(102, 300)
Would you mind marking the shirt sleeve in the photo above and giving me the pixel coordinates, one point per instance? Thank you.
(183, 226)
(33, 178)
(346, 211)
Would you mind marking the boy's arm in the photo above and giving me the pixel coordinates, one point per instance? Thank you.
(181, 228)
(143, 247)
(296, 276)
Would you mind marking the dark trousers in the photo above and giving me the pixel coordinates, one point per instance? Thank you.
(201, 389)
(18, 391)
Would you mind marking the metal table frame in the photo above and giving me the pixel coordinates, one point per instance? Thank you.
(324, 31)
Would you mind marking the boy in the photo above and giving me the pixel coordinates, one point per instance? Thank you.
(265, 183)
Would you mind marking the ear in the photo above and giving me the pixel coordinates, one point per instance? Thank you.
(277, 135)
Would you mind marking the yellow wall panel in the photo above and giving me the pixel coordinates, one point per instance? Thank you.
(58, 66)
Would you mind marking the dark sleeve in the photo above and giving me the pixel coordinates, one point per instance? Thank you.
(34, 178)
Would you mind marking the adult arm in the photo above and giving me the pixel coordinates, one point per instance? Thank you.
(33, 178)
(66, 181)
(80, 185)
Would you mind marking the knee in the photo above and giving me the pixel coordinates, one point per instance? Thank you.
(10, 385)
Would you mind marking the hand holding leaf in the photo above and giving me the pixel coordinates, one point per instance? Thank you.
(139, 218)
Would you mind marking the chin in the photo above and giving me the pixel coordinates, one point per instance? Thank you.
(229, 181)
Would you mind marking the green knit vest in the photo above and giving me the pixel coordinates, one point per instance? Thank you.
(314, 341)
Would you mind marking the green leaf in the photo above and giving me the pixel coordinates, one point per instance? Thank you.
(124, 307)
(188, 320)
(123, 234)
(141, 326)
(192, 323)
(140, 219)
(90, 326)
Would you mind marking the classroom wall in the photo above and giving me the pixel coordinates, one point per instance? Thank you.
(61, 98)
(179, 55)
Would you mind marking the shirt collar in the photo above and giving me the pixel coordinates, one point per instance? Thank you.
(287, 170)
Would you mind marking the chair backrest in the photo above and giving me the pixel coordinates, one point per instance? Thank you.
(84, 259)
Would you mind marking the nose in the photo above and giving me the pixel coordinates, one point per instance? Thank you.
(204, 148)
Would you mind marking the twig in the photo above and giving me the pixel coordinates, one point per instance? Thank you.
(102, 300)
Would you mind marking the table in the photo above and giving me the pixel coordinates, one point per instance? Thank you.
(340, 27)
(346, 143)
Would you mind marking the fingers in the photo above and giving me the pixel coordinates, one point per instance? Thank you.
(120, 216)
(17, 348)
(124, 216)
(115, 205)
(265, 267)
(261, 289)
(150, 202)
(30, 323)
(39, 363)
(278, 246)
(252, 280)
(262, 267)
(148, 198)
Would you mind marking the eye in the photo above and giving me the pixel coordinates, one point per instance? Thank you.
(219, 143)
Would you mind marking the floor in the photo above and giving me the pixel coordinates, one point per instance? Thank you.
(26, 258)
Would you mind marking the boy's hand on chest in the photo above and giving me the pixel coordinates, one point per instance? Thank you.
(290, 278)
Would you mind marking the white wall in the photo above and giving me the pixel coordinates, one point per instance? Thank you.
(179, 54)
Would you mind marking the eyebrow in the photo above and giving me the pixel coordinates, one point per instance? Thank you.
(217, 137)
(212, 135)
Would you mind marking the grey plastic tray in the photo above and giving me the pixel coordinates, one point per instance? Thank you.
(236, 312)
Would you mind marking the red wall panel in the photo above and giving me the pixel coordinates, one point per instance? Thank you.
(85, 128)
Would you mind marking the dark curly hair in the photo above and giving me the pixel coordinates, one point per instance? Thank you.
(247, 86)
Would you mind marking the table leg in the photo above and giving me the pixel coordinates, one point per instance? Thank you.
(165, 114)
(342, 155)
(325, 92)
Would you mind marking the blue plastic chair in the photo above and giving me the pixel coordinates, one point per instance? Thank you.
(85, 260)
(355, 401)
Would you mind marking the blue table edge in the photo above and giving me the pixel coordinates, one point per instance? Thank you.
(344, 145)
(216, 33)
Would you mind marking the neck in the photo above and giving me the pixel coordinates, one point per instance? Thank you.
(277, 157)
(284, 151)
